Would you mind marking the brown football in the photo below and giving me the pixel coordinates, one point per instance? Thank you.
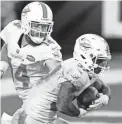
(87, 97)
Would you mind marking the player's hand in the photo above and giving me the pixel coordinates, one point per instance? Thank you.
(83, 112)
(100, 102)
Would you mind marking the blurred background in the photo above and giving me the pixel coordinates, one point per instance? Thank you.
(72, 19)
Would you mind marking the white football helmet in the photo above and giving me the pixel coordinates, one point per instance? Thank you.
(92, 51)
(37, 21)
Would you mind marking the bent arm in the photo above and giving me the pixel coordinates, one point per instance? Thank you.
(64, 102)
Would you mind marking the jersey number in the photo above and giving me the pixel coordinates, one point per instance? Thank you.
(21, 75)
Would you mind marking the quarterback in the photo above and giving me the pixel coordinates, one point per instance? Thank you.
(57, 92)
(29, 49)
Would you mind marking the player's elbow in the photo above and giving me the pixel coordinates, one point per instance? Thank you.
(67, 110)
(63, 110)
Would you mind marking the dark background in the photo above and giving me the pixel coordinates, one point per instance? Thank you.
(71, 19)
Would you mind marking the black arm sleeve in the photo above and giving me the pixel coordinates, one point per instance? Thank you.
(64, 103)
(102, 88)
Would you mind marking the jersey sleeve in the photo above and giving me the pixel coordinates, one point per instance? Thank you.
(57, 54)
(10, 31)
(56, 49)
(70, 71)
(48, 54)
(77, 76)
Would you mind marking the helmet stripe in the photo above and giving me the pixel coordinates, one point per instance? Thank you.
(44, 8)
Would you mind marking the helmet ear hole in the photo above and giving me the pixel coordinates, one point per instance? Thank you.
(91, 55)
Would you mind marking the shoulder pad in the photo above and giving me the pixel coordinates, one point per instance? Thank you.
(17, 23)
(13, 24)
(76, 75)
(71, 71)
(53, 43)
(12, 31)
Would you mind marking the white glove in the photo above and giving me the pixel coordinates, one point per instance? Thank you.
(100, 102)
(83, 112)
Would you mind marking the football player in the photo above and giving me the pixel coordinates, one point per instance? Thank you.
(90, 58)
(29, 49)
(57, 92)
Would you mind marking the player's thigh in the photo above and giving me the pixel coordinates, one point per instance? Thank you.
(59, 121)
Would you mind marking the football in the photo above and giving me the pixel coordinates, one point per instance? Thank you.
(87, 97)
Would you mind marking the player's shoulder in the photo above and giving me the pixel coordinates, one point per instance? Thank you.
(53, 43)
(11, 30)
(73, 68)
(75, 73)
(14, 24)
(72, 64)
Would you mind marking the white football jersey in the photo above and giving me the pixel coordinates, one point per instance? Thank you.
(28, 63)
(74, 72)
(41, 97)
